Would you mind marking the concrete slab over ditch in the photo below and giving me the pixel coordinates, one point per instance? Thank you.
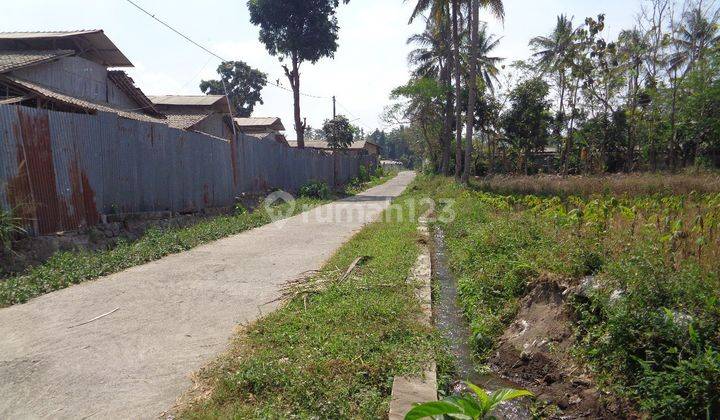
(409, 390)
(174, 315)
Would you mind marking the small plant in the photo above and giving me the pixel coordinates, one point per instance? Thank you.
(239, 209)
(315, 189)
(472, 407)
(10, 226)
(363, 174)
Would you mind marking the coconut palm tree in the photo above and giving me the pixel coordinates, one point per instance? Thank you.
(497, 8)
(429, 57)
(487, 63)
(696, 34)
(437, 7)
(555, 53)
(439, 31)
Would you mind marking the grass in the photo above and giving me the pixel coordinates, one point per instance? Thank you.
(334, 353)
(67, 268)
(650, 331)
(618, 185)
(10, 226)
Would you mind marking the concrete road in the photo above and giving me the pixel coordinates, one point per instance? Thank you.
(174, 315)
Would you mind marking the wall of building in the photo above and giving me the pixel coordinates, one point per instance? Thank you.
(62, 171)
(80, 78)
(215, 126)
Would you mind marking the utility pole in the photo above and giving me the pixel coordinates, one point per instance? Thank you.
(334, 107)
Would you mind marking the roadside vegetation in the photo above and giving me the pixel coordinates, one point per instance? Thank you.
(333, 349)
(648, 327)
(585, 101)
(71, 267)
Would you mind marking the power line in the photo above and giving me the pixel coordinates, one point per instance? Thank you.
(187, 38)
(174, 30)
(353, 116)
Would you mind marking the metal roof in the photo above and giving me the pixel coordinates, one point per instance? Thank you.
(186, 119)
(273, 123)
(14, 59)
(320, 144)
(187, 100)
(50, 94)
(91, 44)
(127, 85)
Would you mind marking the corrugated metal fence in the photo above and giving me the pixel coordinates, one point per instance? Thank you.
(63, 170)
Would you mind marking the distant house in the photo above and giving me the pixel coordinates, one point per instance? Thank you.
(68, 71)
(209, 114)
(262, 128)
(360, 147)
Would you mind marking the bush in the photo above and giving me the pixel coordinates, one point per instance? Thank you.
(363, 174)
(315, 189)
(10, 226)
(650, 328)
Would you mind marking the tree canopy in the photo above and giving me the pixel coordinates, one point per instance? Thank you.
(244, 86)
(338, 132)
(297, 30)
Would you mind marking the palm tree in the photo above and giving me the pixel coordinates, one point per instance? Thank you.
(429, 58)
(438, 7)
(633, 47)
(693, 38)
(487, 65)
(456, 15)
(432, 58)
(497, 8)
(556, 53)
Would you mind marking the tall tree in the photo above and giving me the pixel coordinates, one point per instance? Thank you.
(242, 83)
(497, 8)
(527, 120)
(555, 54)
(456, 14)
(297, 30)
(696, 34)
(338, 132)
(439, 25)
(433, 58)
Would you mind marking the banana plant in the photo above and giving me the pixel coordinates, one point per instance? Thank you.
(475, 406)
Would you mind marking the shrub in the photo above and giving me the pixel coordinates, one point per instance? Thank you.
(240, 209)
(363, 174)
(315, 189)
(650, 328)
(10, 226)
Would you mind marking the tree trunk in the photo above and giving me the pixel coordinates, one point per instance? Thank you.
(458, 105)
(472, 89)
(294, 78)
(447, 126)
(673, 129)
(571, 131)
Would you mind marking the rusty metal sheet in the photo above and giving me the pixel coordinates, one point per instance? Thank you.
(61, 171)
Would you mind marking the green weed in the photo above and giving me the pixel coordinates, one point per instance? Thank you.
(333, 353)
(650, 329)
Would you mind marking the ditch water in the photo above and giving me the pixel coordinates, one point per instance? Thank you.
(451, 322)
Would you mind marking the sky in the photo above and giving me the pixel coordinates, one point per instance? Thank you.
(371, 59)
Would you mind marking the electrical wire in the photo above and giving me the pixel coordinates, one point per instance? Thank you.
(207, 50)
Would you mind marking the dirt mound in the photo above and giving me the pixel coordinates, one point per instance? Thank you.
(534, 351)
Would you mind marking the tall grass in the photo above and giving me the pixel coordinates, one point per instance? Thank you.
(10, 227)
(651, 327)
(618, 185)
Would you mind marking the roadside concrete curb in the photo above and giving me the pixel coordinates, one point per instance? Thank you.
(409, 390)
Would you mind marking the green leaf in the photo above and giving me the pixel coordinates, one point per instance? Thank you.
(469, 405)
(482, 395)
(508, 394)
(431, 409)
